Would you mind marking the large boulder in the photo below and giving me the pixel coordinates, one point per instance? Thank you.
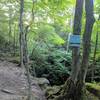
(13, 83)
(42, 82)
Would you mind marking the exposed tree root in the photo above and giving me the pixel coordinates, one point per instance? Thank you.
(72, 91)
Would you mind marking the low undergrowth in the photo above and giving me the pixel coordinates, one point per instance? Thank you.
(53, 93)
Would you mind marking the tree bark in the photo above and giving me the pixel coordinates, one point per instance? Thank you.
(21, 31)
(69, 92)
(76, 31)
(23, 49)
(14, 40)
(26, 64)
(10, 26)
(87, 38)
(94, 56)
(74, 89)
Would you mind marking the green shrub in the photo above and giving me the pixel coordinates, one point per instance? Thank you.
(55, 66)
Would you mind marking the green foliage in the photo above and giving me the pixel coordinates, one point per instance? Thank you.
(2, 40)
(49, 24)
(55, 65)
(47, 33)
(44, 35)
(94, 88)
(96, 70)
(94, 85)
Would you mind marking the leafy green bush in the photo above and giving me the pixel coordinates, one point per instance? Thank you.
(2, 41)
(96, 67)
(55, 66)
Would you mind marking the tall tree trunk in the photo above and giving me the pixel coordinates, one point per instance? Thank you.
(94, 56)
(23, 49)
(21, 32)
(26, 63)
(73, 88)
(10, 26)
(76, 31)
(86, 48)
(87, 38)
(69, 92)
(14, 40)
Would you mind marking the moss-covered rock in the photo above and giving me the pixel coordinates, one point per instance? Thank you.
(93, 88)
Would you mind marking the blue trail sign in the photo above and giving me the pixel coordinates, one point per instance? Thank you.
(74, 40)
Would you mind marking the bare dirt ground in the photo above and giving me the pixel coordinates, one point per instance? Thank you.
(13, 83)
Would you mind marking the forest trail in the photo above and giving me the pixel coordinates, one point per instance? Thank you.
(13, 83)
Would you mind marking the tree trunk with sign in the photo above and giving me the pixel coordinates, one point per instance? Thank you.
(69, 92)
(74, 86)
(86, 47)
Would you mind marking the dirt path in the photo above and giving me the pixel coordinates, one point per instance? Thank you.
(13, 83)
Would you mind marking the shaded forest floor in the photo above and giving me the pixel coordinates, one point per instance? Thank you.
(13, 83)
(91, 93)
